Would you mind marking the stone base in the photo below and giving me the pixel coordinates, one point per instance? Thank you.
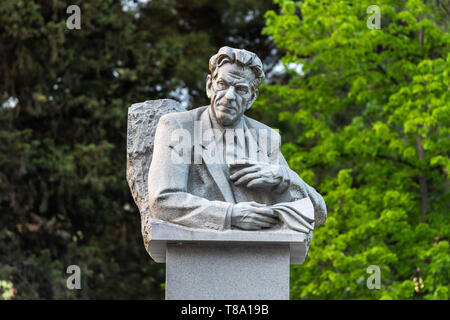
(217, 272)
(232, 264)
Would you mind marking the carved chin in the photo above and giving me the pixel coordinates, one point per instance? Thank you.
(227, 119)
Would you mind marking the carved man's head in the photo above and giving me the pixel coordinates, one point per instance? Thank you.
(233, 83)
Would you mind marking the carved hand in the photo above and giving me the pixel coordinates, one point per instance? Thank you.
(255, 175)
(253, 216)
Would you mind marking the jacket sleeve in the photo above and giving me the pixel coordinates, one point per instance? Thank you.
(167, 185)
(294, 188)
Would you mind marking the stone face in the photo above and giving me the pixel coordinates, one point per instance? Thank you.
(228, 272)
(142, 121)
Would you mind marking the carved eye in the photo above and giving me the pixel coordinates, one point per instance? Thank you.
(221, 85)
(242, 89)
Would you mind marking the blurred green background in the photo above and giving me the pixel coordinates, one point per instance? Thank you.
(364, 114)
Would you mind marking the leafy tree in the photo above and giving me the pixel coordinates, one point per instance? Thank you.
(367, 122)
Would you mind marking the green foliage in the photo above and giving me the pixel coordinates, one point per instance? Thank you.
(368, 125)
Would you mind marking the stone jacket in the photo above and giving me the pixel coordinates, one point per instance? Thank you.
(198, 193)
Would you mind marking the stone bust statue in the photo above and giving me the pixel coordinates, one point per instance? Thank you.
(215, 168)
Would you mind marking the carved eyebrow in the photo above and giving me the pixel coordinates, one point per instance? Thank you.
(222, 79)
(234, 82)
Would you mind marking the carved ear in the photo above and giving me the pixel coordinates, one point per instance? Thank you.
(253, 99)
(209, 86)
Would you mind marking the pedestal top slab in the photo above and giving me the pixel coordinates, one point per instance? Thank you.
(163, 232)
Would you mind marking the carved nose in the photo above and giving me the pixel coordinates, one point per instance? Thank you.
(230, 95)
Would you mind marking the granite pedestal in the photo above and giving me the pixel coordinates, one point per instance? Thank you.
(224, 265)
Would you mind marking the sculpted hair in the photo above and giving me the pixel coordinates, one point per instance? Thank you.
(240, 56)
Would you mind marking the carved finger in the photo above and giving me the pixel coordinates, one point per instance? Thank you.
(256, 222)
(257, 204)
(243, 163)
(241, 172)
(264, 224)
(246, 178)
(266, 219)
(260, 182)
(247, 226)
(266, 211)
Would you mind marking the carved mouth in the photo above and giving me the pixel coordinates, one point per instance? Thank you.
(227, 109)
